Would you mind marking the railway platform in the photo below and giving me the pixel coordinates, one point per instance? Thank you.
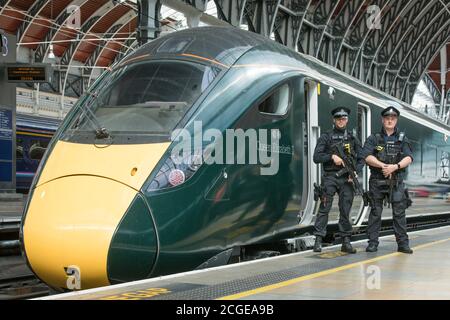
(330, 274)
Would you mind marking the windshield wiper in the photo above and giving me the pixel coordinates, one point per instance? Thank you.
(100, 131)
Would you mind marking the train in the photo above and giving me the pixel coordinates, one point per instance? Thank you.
(112, 203)
(33, 135)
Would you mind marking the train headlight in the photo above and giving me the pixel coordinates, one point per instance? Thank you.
(176, 177)
(176, 170)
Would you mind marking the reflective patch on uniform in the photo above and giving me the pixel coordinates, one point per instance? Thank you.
(379, 148)
(347, 147)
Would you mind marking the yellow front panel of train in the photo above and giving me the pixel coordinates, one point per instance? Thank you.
(70, 222)
(82, 195)
(130, 164)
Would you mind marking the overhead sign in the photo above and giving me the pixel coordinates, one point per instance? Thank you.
(28, 73)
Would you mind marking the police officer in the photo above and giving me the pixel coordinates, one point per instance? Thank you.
(332, 163)
(388, 153)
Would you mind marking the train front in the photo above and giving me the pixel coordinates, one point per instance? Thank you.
(87, 223)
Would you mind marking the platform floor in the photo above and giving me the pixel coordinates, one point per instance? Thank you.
(331, 274)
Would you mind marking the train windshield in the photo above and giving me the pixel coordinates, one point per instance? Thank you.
(145, 98)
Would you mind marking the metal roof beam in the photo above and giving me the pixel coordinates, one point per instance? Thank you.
(33, 14)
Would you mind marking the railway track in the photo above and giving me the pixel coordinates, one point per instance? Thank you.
(414, 223)
(22, 287)
(9, 236)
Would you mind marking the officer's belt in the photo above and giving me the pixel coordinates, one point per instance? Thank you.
(331, 173)
(386, 182)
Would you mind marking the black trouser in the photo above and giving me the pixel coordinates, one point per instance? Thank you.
(331, 185)
(379, 189)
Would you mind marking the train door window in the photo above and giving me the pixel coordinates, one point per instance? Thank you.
(359, 129)
(415, 169)
(362, 131)
(430, 161)
(278, 102)
(305, 122)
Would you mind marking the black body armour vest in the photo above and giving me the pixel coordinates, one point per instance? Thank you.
(389, 152)
(347, 141)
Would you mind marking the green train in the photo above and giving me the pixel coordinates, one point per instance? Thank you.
(110, 203)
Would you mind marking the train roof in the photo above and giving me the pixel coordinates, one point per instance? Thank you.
(338, 79)
(221, 44)
(226, 45)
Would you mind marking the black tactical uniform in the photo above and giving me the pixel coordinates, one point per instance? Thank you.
(389, 150)
(332, 184)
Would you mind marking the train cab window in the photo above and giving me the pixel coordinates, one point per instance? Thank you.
(149, 97)
(278, 102)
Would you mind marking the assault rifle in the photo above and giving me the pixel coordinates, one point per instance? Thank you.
(350, 169)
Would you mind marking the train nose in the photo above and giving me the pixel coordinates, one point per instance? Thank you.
(85, 231)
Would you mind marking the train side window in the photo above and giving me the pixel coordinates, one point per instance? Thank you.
(278, 102)
(19, 149)
(37, 149)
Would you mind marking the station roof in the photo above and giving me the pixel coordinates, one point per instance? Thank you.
(392, 57)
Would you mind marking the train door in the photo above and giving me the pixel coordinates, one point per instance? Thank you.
(311, 133)
(359, 212)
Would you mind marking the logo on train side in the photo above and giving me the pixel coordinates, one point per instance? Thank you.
(74, 277)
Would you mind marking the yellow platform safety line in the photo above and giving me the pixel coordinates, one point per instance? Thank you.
(321, 273)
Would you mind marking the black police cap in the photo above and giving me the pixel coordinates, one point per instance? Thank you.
(340, 112)
(390, 111)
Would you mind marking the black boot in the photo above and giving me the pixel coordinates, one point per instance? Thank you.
(347, 246)
(372, 248)
(405, 249)
(318, 244)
